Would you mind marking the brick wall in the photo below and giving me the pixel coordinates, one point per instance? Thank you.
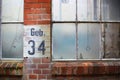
(37, 69)
(37, 13)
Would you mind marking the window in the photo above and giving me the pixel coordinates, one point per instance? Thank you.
(11, 29)
(85, 29)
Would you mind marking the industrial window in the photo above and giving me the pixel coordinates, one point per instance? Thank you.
(85, 29)
(11, 29)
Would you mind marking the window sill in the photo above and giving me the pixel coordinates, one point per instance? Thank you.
(11, 68)
(85, 68)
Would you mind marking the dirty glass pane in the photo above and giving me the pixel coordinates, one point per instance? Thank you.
(63, 10)
(12, 10)
(12, 43)
(88, 10)
(89, 41)
(110, 10)
(63, 41)
(112, 40)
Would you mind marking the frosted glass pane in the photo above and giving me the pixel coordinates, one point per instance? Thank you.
(63, 41)
(12, 10)
(89, 41)
(63, 10)
(88, 10)
(110, 10)
(12, 40)
(112, 40)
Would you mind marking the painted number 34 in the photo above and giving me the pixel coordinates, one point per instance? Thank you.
(40, 48)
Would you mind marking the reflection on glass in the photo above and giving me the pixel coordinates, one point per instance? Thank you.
(112, 40)
(89, 41)
(12, 43)
(12, 10)
(64, 10)
(88, 10)
(110, 10)
(63, 41)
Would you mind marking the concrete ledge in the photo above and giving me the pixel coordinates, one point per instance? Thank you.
(85, 68)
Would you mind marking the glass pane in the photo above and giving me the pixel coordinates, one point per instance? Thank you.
(12, 40)
(111, 10)
(63, 39)
(112, 40)
(88, 10)
(63, 10)
(12, 10)
(89, 41)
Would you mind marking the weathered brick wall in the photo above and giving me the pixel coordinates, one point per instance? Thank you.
(38, 13)
(37, 69)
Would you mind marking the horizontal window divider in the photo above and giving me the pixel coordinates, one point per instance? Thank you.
(83, 60)
(12, 22)
(12, 59)
(85, 21)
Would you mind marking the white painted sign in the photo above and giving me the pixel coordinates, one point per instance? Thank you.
(34, 41)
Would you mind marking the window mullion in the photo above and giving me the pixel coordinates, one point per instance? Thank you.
(76, 25)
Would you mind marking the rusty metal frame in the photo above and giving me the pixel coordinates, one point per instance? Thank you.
(100, 21)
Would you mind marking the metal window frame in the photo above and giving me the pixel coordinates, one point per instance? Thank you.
(1, 58)
(100, 21)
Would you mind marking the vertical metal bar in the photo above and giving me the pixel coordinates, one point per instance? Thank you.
(0, 31)
(76, 25)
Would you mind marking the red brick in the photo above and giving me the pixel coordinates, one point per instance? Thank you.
(36, 5)
(36, 71)
(30, 1)
(36, 60)
(45, 5)
(44, 1)
(45, 17)
(41, 76)
(28, 22)
(30, 65)
(32, 5)
(28, 71)
(32, 76)
(46, 60)
(46, 71)
(43, 66)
